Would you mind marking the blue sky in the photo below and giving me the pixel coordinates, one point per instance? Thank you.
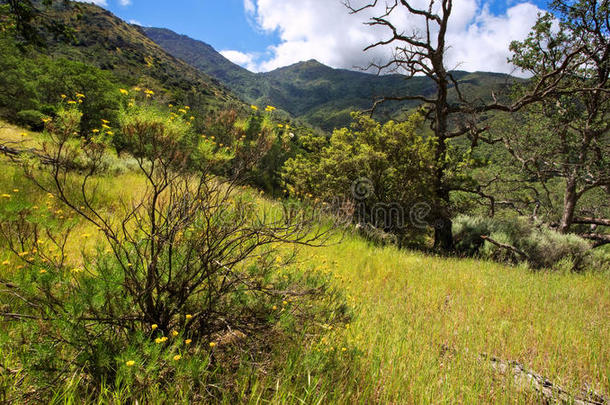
(223, 24)
(265, 34)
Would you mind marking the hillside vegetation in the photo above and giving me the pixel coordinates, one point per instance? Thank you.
(177, 229)
(119, 54)
(418, 329)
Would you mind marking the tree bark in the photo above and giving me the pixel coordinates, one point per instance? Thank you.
(443, 233)
(569, 205)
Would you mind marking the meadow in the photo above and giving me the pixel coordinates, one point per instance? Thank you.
(419, 327)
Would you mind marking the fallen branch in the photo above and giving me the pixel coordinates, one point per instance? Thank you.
(15, 154)
(521, 253)
(594, 221)
(599, 239)
(551, 392)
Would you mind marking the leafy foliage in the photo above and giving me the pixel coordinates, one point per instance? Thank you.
(382, 169)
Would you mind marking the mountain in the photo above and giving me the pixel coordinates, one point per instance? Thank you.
(105, 41)
(320, 95)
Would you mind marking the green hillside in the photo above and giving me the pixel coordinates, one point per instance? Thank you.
(321, 95)
(109, 43)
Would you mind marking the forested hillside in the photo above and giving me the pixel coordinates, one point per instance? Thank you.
(322, 96)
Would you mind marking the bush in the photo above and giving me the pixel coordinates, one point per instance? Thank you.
(379, 172)
(31, 118)
(543, 247)
(183, 267)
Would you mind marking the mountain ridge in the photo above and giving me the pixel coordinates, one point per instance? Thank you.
(320, 95)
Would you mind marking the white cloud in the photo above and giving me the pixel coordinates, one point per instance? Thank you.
(136, 22)
(326, 31)
(104, 3)
(246, 60)
(250, 6)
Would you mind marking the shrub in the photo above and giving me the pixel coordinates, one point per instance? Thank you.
(543, 247)
(381, 171)
(188, 258)
(31, 118)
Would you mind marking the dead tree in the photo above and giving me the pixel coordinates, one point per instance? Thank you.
(422, 51)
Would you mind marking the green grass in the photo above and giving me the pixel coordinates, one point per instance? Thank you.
(422, 321)
(419, 325)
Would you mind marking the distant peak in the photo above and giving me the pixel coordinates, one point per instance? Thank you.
(312, 63)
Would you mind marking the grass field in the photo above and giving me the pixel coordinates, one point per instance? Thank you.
(420, 324)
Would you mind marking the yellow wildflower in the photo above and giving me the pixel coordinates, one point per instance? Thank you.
(175, 333)
(270, 108)
(6, 196)
(110, 133)
(123, 91)
(71, 102)
(274, 307)
(43, 271)
(130, 363)
(105, 122)
(161, 339)
(154, 326)
(254, 108)
(186, 107)
(189, 316)
(80, 95)
(63, 96)
(177, 357)
(187, 341)
(171, 106)
(212, 344)
(6, 263)
(95, 131)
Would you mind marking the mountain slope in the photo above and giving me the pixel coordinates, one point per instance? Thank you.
(105, 41)
(319, 94)
(250, 86)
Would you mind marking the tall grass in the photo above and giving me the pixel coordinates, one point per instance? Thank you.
(422, 322)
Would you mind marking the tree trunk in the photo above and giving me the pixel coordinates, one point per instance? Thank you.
(569, 205)
(443, 234)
